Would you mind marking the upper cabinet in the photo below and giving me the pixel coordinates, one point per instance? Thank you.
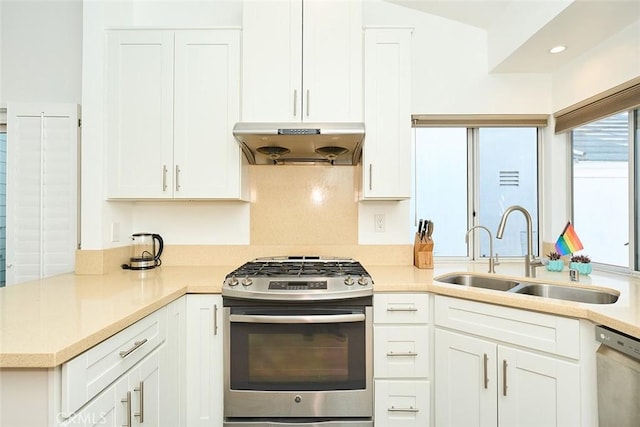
(172, 100)
(302, 61)
(386, 158)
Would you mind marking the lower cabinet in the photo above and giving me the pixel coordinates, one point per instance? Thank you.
(485, 382)
(204, 362)
(133, 400)
(401, 360)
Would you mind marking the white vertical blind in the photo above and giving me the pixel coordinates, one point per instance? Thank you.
(42, 190)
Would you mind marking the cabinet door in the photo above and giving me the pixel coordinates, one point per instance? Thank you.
(207, 159)
(173, 367)
(386, 162)
(204, 360)
(332, 61)
(402, 403)
(107, 409)
(272, 61)
(536, 390)
(465, 381)
(144, 385)
(140, 114)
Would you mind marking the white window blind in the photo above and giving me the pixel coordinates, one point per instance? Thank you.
(42, 190)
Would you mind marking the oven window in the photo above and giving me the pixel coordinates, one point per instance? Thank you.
(285, 357)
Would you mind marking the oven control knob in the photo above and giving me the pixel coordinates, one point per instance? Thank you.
(348, 281)
(247, 281)
(233, 281)
(362, 281)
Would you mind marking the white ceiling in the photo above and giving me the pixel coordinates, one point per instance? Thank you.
(581, 25)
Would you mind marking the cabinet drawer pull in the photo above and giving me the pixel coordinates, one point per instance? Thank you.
(127, 400)
(295, 103)
(402, 309)
(486, 375)
(308, 103)
(136, 345)
(504, 377)
(215, 319)
(402, 354)
(140, 413)
(177, 177)
(164, 177)
(409, 409)
(370, 176)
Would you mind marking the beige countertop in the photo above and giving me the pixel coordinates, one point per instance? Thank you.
(47, 322)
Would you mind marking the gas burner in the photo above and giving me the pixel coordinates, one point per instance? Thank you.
(298, 278)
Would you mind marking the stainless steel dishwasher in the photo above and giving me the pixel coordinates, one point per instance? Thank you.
(618, 365)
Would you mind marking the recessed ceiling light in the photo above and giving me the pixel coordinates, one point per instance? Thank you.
(557, 49)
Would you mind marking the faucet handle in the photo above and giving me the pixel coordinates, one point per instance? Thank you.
(496, 260)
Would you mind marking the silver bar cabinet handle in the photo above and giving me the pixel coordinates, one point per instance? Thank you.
(136, 345)
(164, 177)
(370, 176)
(127, 400)
(504, 377)
(215, 319)
(308, 103)
(402, 309)
(177, 178)
(486, 376)
(402, 354)
(295, 103)
(409, 409)
(140, 413)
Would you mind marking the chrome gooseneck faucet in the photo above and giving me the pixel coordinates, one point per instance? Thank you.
(492, 261)
(530, 262)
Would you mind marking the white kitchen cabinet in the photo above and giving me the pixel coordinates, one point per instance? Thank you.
(173, 366)
(401, 359)
(133, 400)
(497, 383)
(204, 359)
(386, 156)
(302, 61)
(172, 100)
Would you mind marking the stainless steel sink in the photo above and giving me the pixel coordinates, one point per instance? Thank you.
(589, 296)
(544, 290)
(475, 281)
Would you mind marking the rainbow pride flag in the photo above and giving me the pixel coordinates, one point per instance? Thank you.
(568, 242)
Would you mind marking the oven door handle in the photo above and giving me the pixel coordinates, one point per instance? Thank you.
(330, 318)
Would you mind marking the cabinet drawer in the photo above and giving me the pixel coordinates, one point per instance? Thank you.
(400, 308)
(402, 403)
(89, 373)
(544, 332)
(400, 352)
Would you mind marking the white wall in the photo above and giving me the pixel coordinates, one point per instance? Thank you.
(41, 51)
(613, 62)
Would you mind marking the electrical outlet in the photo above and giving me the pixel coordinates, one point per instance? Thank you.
(378, 225)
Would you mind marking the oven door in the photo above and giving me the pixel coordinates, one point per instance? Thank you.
(298, 362)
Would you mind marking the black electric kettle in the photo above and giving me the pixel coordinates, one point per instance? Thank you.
(144, 252)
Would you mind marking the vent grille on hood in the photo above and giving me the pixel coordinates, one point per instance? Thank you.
(282, 143)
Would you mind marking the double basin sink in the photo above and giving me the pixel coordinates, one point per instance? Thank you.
(545, 290)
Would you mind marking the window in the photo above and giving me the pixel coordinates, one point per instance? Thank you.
(600, 179)
(469, 176)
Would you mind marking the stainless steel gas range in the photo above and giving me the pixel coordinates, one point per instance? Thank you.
(298, 343)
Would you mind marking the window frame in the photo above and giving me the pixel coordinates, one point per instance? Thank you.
(473, 123)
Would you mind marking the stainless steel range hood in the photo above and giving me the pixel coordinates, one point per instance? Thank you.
(288, 143)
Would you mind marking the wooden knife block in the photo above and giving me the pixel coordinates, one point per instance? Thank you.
(422, 252)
